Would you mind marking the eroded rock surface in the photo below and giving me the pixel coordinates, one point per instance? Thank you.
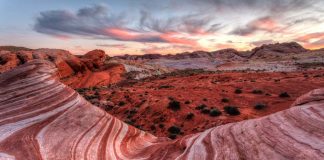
(41, 118)
(77, 72)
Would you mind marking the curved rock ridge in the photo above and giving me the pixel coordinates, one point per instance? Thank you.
(41, 118)
(78, 72)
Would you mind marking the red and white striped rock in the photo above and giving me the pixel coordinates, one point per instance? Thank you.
(41, 118)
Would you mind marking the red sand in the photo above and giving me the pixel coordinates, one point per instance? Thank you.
(149, 102)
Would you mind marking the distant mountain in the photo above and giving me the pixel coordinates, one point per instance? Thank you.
(277, 49)
(222, 54)
(265, 51)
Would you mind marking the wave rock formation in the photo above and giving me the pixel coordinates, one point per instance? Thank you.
(41, 118)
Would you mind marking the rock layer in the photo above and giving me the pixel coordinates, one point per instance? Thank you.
(41, 118)
(77, 72)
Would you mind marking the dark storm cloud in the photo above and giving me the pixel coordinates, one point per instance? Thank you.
(97, 22)
(94, 22)
(90, 21)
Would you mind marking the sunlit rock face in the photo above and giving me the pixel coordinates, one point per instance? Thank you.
(77, 72)
(41, 118)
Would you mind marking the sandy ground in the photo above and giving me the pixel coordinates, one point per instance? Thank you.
(145, 104)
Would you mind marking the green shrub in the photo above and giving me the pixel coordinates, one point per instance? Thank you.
(200, 107)
(256, 91)
(121, 103)
(284, 95)
(225, 100)
(232, 110)
(165, 86)
(189, 116)
(205, 111)
(238, 91)
(161, 125)
(174, 130)
(172, 136)
(90, 97)
(259, 106)
(174, 105)
(215, 112)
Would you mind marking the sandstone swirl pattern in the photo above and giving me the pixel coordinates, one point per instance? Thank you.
(41, 118)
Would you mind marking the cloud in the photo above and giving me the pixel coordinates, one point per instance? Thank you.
(312, 40)
(89, 21)
(261, 42)
(269, 6)
(117, 46)
(310, 36)
(97, 22)
(224, 46)
(315, 45)
(194, 24)
(261, 24)
(188, 23)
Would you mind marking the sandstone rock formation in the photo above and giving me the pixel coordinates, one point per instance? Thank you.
(275, 50)
(41, 118)
(87, 71)
(95, 59)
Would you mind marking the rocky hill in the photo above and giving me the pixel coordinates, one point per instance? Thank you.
(41, 118)
(228, 54)
(276, 50)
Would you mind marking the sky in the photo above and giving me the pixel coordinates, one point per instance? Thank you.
(160, 26)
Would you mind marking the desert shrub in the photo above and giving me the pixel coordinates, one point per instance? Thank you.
(81, 90)
(161, 125)
(257, 91)
(187, 102)
(165, 86)
(200, 107)
(215, 112)
(174, 130)
(238, 91)
(129, 122)
(205, 99)
(172, 136)
(90, 97)
(152, 127)
(121, 103)
(205, 111)
(260, 106)
(133, 111)
(3, 61)
(284, 95)
(189, 116)
(174, 105)
(225, 100)
(232, 110)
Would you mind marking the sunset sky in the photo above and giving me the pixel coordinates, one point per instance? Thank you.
(159, 26)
